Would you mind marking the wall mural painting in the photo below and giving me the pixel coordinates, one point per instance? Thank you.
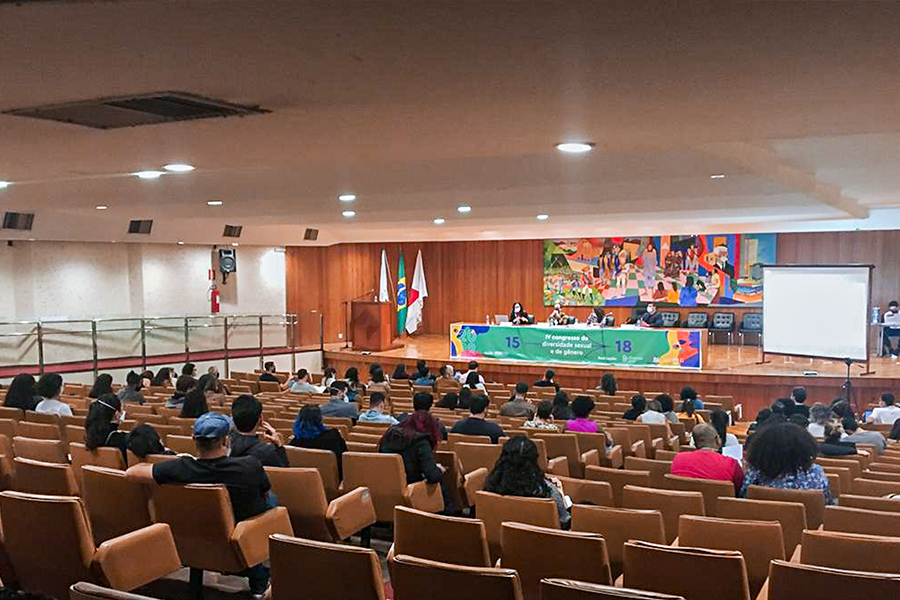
(684, 270)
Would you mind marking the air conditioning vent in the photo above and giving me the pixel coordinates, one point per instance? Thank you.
(311, 235)
(233, 231)
(142, 227)
(20, 221)
(133, 111)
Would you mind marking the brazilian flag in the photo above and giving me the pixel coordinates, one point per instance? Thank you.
(401, 296)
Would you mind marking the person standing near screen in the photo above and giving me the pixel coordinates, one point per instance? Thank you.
(892, 329)
(518, 315)
(651, 318)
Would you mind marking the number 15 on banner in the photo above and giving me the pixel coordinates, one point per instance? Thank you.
(512, 342)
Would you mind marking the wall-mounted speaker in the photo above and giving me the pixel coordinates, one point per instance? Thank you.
(227, 260)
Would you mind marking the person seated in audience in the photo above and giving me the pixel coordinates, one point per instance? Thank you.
(379, 383)
(706, 462)
(819, 416)
(475, 423)
(517, 473)
(247, 414)
(310, 432)
(354, 386)
(374, 367)
(582, 407)
(608, 384)
(518, 315)
(425, 421)
(719, 419)
(301, 384)
(547, 381)
(449, 400)
(688, 411)
(101, 426)
(782, 455)
(887, 412)
(761, 418)
(799, 419)
(638, 406)
(472, 367)
(102, 385)
(329, 376)
(147, 378)
(221, 388)
(473, 382)
(445, 379)
(832, 444)
(422, 371)
(841, 409)
(268, 373)
(667, 407)
(21, 393)
(856, 435)
(244, 477)
(561, 409)
(415, 440)
(210, 386)
(194, 404)
(543, 418)
(184, 384)
(689, 393)
(465, 397)
(143, 440)
(518, 405)
(376, 413)
(798, 395)
(164, 377)
(189, 369)
(49, 387)
(400, 372)
(131, 391)
(653, 414)
(338, 404)
(895, 431)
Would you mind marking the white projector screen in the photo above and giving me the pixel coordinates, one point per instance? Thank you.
(816, 311)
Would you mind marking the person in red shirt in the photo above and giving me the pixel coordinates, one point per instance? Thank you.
(705, 462)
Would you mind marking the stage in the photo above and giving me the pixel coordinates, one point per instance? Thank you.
(730, 370)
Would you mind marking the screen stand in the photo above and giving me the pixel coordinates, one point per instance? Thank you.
(762, 359)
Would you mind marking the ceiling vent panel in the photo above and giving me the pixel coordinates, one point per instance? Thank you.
(20, 221)
(134, 111)
(311, 235)
(142, 227)
(233, 231)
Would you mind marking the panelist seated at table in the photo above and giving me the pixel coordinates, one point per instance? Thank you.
(558, 317)
(651, 318)
(597, 317)
(519, 316)
(891, 329)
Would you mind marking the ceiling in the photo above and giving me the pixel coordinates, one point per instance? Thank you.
(418, 107)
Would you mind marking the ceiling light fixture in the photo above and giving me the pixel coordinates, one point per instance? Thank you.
(543, 217)
(149, 174)
(465, 208)
(439, 221)
(349, 213)
(5, 184)
(179, 168)
(347, 197)
(181, 243)
(575, 147)
(235, 244)
(717, 176)
(102, 207)
(214, 203)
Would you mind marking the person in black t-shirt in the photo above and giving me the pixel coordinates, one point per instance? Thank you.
(651, 318)
(310, 432)
(246, 411)
(269, 375)
(547, 381)
(244, 477)
(475, 423)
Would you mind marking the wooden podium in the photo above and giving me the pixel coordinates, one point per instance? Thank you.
(372, 325)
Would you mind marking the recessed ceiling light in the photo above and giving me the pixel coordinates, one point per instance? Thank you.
(179, 168)
(717, 176)
(181, 243)
(439, 221)
(102, 207)
(235, 244)
(30, 239)
(349, 213)
(465, 208)
(214, 203)
(149, 174)
(543, 217)
(5, 184)
(347, 197)
(575, 147)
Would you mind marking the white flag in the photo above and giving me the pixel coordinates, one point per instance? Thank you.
(383, 295)
(418, 291)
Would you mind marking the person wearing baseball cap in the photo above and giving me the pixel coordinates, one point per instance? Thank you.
(244, 477)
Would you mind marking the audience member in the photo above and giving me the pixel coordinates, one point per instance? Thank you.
(819, 416)
(547, 381)
(49, 387)
(221, 388)
(608, 384)
(518, 405)
(102, 385)
(705, 462)
(761, 418)
(473, 382)
(582, 407)
(376, 413)
(653, 414)
(415, 439)
(667, 407)
(423, 375)
(163, 378)
(446, 380)
(310, 432)
(449, 400)
(189, 369)
(423, 421)
(517, 473)
(689, 393)
(472, 367)
(329, 376)
(244, 478)
(783, 456)
(400, 372)
(638, 406)
(143, 440)
(247, 414)
(131, 391)
(561, 409)
(301, 384)
(338, 404)
(194, 404)
(184, 384)
(210, 386)
(101, 426)
(465, 397)
(895, 431)
(543, 418)
(22, 393)
(147, 378)
(798, 395)
(688, 411)
(832, 445)
(268, 373)
(840, 409)
(887, 412)
(799, 420)
(720, 420)
(379, 383)
(354, 386)
(475, 423)
(856, 435)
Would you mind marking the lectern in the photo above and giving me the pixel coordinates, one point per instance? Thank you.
(372, 325)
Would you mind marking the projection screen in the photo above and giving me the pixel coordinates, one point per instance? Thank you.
(819, 311)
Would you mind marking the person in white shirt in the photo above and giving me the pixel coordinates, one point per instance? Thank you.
(653, 414)
(891, 329)
(473, 368)
(49, 387)
(885, 414)
(819, 416)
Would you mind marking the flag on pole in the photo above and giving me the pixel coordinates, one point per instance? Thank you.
(383, 294)
(401, 296)
(417, 294)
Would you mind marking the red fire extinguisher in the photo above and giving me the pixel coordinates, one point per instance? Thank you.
(213, 299)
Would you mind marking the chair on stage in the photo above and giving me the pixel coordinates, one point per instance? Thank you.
(722, 323)
(751, 323)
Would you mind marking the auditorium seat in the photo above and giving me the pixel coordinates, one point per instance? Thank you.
(658, 469)
(53, 479)
(813, 500)
(791, 581)
(870, 503)
(880, 475)
(618, 479)
(758, 542)
(182, 444)
(459, 540)
(791, 516)
(101, 457)
(494, 509)
(662, 431)
(88, 591)
(844, 474)
(860, 520)
(8, 412)
(567, 589)
(323, 460)
(476, 456)
(883, 467)
(300, 490)
(872, 487)
(629, 440)
(202, 521)
(383, 474)
(671, 503)
(115, 505)
(38, 431)
(617, 526)
(417, 578)
(711, 489)
(473, 483)
(563, 444)
(613, 457)
(556, 557)
(456, 438)
(852, 551)
(585, 491)
(48, 559)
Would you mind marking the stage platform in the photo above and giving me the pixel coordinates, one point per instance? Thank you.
(731, 370)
